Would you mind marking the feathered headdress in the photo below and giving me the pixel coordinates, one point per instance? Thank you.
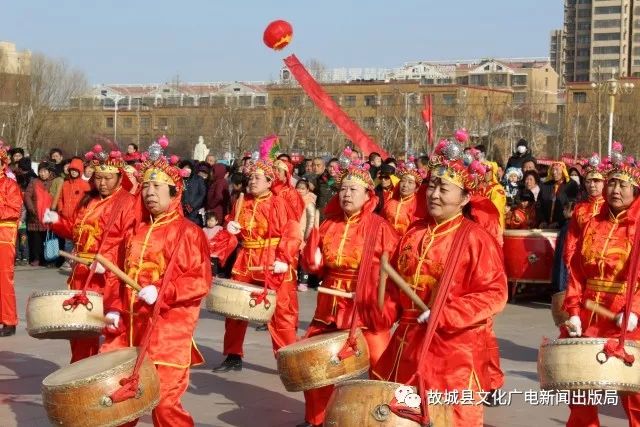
(356, 171)
(267, 152)
(595, 168)
(156, 167)
(623, 168)
(409, 168)
(450, 164)
(101, 161)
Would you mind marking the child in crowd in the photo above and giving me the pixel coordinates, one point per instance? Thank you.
(210, 229)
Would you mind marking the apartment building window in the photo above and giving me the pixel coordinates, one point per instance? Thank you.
(148, 101)
(387, 100)
(499, 79)
(109, 122)
(519, 97)
(278, 101)
(172, 101)
(606, 36)
(370, 100)
(606, 23)
(582, 52)
(584, 25)
(603, 50)
(260, 101)
(584, 13)
(204, 101)
(245, 100)
(602, 10)
(519, 80)
(349, 101)
(584, 40)
(163, 122)
(369, 122)
(636, 24)
(128, 122)
(579, 97)
(606, 63)
(145, 122)
(295, 101)
(636, 51)
(448, 98)
(218, 100)
(584, 2)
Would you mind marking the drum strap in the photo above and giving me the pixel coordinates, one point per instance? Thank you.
(446, 281)
(615, 347)
(371, 231)
(129, 385)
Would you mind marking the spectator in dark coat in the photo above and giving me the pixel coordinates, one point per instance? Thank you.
(521, 155)
(218, 198)
(556, 192)
(194, 193)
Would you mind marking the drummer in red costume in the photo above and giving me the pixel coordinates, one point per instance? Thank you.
(103, 217)
(400, 211)
(599, 270)
(584, 211)
(10, 207)
(270, 240)
(334, 252)
(163, 243)
(463, 334)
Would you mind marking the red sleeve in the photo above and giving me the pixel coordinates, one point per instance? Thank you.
(575, 286)
(10, 201)
(483, 283)
(368, 310)
(288, 229)
(571, 240)
(191, 277)
(308, 255)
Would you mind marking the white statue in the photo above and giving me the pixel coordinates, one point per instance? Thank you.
(201, 151)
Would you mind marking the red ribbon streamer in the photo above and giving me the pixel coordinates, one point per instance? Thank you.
(330, 109)
(76, 300)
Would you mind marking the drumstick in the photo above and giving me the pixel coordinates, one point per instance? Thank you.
(404, 286)
(382, 284)
(115, 270)
(335, 292)
(258, 268)
(75, 258)
(239, 203)
(600, 310)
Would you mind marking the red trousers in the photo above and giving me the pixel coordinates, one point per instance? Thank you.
(315, 400)
(495, 372)
(8, 311)
(587, 415)
(84, 347)
(169, 412)
(282, 327)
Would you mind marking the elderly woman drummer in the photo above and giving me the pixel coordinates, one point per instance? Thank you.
(598, 272)
(336, 251)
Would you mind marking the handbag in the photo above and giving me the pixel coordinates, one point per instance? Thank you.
(51, 246)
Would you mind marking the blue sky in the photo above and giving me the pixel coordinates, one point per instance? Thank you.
(139, 41)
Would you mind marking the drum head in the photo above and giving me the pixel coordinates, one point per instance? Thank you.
(234, 284)
(318, 340)
(91, 366)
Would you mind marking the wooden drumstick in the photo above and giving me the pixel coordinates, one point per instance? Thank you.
(335, 292)
(75, 258)
(382, 283)
(258, 268)
(239, 203)
(115, 270)
(599, 310)
(404, 286)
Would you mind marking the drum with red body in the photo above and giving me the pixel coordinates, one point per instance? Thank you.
(528, 255)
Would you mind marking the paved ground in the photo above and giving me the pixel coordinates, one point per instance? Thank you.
(255, 396)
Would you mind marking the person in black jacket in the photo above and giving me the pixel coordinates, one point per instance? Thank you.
(521, 155)
(194, 193)
(556, 192)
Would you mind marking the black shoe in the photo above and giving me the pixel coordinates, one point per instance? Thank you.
(7, 331)
(492, 399)
(262, 327)
(233, 362)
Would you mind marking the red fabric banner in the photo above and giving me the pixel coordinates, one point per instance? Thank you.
(427, 116)
(330, 109)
